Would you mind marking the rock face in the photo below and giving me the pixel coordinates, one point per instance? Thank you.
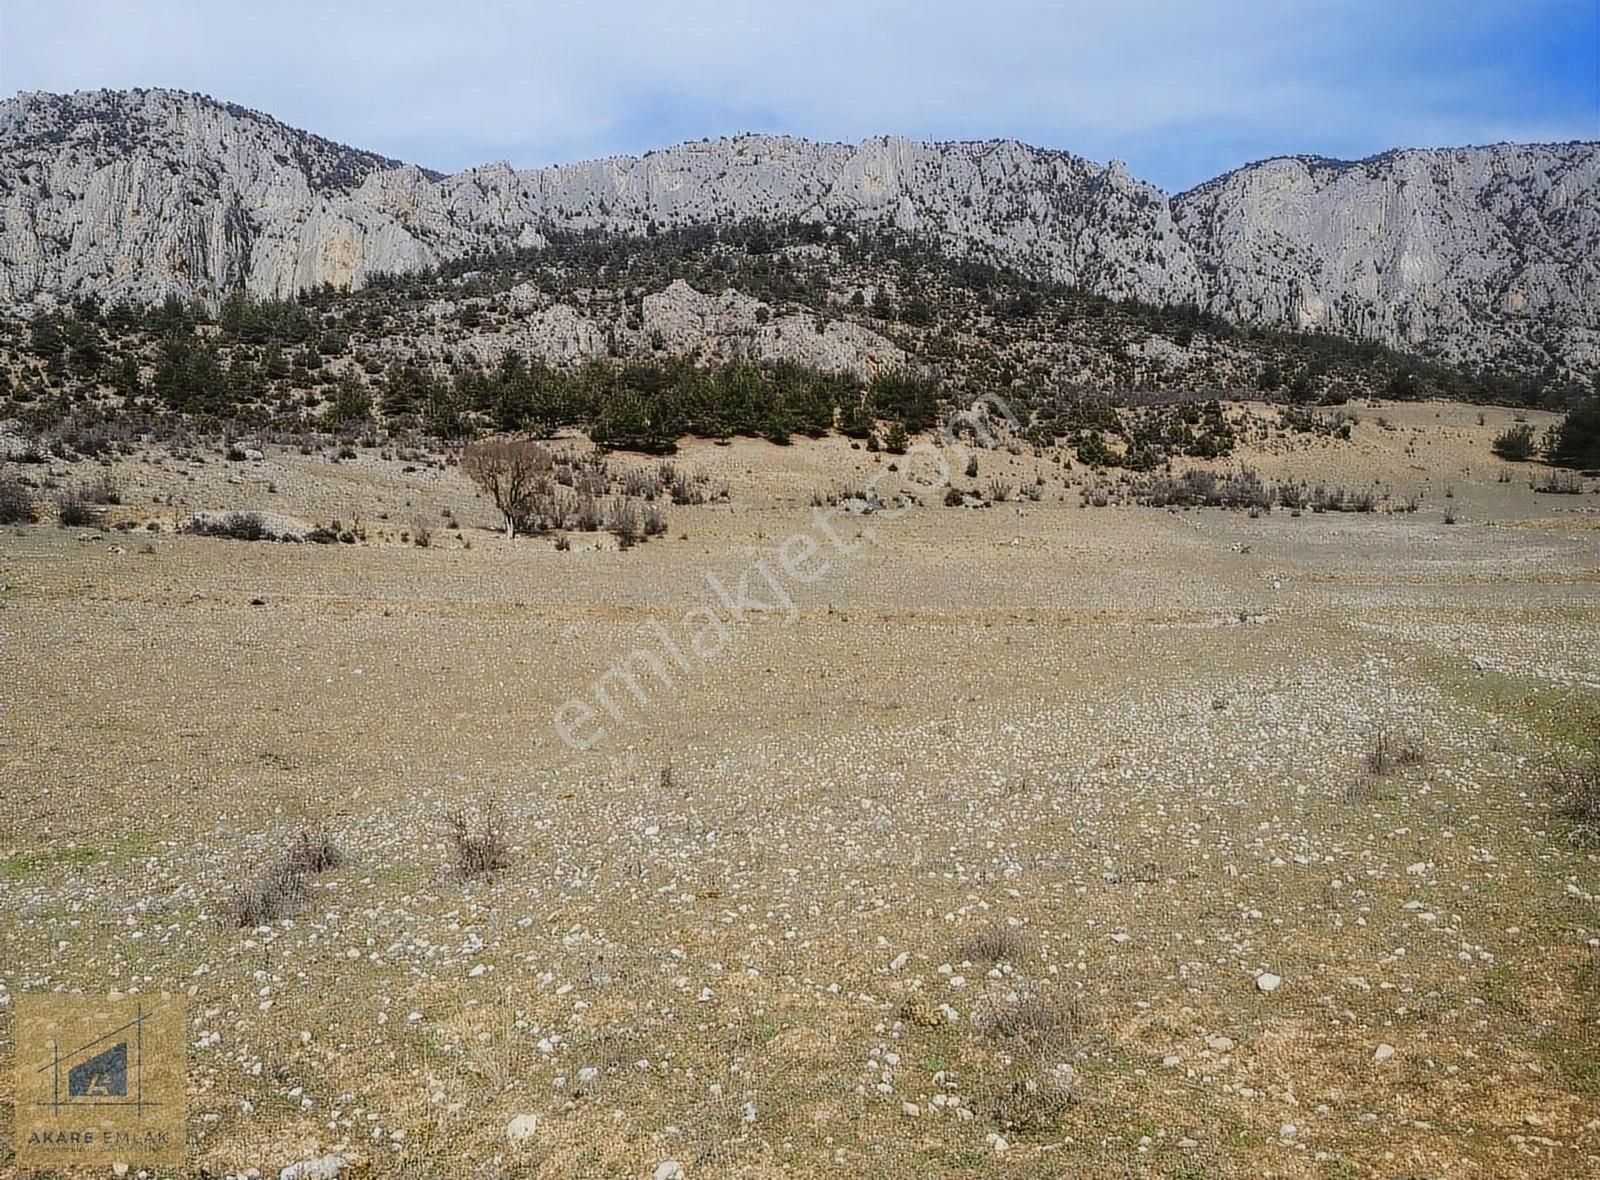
(1445, 248)
(1470, 252)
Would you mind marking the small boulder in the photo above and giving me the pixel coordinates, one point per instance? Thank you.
(322, 1167)
(522, 1128)
(1268, 982)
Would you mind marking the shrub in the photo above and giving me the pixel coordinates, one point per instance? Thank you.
(624, 520)
(314, 852)
(103, 490)
(1034, 1101)
(1560, 483)
(1515, 444)
(994, 944)
(271, 895)
(73, 510)
(1575, 442)
(17, 505)
(1030, 1016)
(276, 890)
(1577, 798)
(477, 841)
(586, 514)
(1390, 750)
(1094, 452)
(234, 526)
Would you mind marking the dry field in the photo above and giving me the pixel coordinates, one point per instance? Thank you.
(979, 862)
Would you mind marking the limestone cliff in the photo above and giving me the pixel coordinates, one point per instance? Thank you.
(1474, 253)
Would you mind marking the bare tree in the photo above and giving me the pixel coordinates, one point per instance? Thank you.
(513, 472)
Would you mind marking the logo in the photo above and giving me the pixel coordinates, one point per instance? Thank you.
(102, 1076)
(100, 1079)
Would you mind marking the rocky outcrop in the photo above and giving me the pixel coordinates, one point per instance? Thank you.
(1475, 253)
(1420, 249)
(678, 321)
(732, 326)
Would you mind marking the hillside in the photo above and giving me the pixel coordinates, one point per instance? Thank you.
(755, 329)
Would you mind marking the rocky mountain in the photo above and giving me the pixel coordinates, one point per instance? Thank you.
(1475, 254)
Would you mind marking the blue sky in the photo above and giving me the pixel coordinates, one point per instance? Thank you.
(1182, 91)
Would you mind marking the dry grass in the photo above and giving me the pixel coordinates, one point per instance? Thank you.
(1034, 1101)
(995, 943)
(1030, 1015)
(278, 889)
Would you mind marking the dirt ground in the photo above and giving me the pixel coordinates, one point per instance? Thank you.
(979, 860)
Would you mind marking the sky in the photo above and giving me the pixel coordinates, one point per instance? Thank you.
(1181, 91)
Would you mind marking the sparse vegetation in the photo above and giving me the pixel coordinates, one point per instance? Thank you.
(477, 840)
(995, 943)
(233, 526)
(278, 889)
(1392, 749)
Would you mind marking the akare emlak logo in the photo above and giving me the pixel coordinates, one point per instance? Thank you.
(100, 1079)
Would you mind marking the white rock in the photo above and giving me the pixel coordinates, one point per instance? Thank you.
(325, 1167)
(1383, 1052)
(1268, 982)
(522, 1128)
(669, 1170)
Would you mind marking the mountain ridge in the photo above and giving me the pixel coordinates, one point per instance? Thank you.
(1469, 253)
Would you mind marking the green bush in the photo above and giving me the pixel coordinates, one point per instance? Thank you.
(1093, 451)
(1575, 442)
(1515, 444)
(351, 403)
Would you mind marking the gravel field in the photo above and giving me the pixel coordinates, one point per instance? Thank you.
(1035, 840)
